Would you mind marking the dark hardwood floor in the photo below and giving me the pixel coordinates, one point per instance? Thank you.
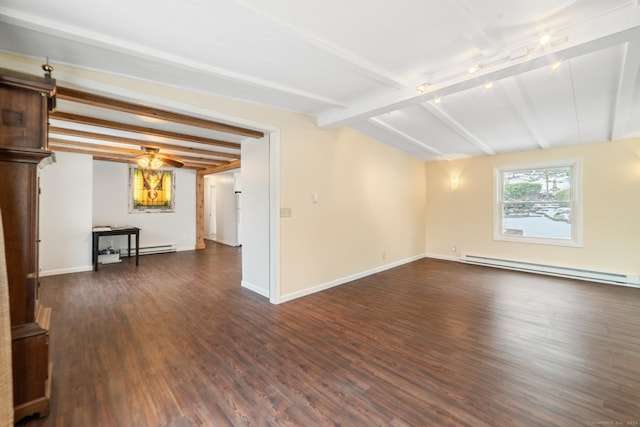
(178, 342)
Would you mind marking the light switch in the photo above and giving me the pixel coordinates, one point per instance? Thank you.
(315, 198)
(285, 212)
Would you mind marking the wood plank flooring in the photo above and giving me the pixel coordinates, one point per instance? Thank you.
(177, 342)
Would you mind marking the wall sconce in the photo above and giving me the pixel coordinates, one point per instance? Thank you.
(455, 182)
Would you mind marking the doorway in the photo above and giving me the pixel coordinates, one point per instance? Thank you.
(221, 208)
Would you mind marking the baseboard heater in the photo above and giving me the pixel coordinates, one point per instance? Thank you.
(574, 273)
(148, 250)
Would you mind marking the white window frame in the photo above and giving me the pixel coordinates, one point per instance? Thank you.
(576, 203)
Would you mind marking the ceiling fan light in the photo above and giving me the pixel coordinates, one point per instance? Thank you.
(143, 162)
(155, 163)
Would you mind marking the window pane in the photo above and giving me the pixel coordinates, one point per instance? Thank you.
(537, 203)
(537, 184)
(550, 220)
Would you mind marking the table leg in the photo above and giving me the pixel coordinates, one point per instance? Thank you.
(137, 246)
(95, 241)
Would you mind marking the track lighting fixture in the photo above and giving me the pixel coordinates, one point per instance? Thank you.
(422, 88)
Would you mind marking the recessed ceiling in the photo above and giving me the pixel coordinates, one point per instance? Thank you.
(360, 64)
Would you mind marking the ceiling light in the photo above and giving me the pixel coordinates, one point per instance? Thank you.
(555, 66)
(143, 162)
(546, 38)
(155, 163)
(488, 85)
(437, 100)
(422, 88)
(474, 68)
(149, 160)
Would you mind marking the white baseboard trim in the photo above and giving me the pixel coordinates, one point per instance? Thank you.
(45, 273)
(225, 242)
(607, 277)
(444, 257)
(56, 272)
(347, 279)
(258, 290)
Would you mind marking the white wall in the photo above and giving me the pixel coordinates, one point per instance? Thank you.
(111, 207)
(237, 187)
(65, 214)
(78, 192)
(255, 215)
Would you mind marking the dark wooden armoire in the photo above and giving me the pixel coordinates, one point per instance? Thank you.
(25, 102)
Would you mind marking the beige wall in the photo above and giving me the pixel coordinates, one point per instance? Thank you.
(371, 197)
(370, 202)
(611, 207)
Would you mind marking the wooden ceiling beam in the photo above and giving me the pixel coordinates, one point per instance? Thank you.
(101, 154)
(223, 167)
(124, 157)
(130, 141)
(55, 142)
(92, 121)
(78, 96)
(106, 157)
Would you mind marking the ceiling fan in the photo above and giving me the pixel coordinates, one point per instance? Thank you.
(152, 159)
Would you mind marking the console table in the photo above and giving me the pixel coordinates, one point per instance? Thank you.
(106, 231)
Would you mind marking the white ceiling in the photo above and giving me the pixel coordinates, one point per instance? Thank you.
(359, 63)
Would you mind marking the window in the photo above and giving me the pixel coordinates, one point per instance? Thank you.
(539, 203)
